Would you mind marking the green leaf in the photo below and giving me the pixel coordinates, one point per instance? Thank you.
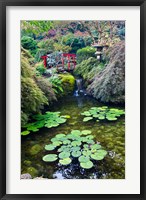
(64, 154)
(50, 158)
(87, 119)
(50, 147)
(86, 132)
(83, 159)
(65, 161)
(76, 154)
(76, 143)
(58, 136)
(75, 132)
(97, 156)
(96, 146)
(86, 165)
(25, 132)
(57, 143)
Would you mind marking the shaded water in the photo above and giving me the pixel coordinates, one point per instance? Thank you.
(111, 135)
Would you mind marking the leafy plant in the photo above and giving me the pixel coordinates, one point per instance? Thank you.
(78, 146)
(85, 53)
(49, 120)
(102, 113)
(56, 84)
(29, 43)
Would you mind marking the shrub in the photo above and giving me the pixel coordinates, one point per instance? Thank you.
(30, 44)
(109, 85)
(32, 97)
(85, 68)
(56, 84)
(40, 69)
(46, 87)
(85, 53)
(68, 83)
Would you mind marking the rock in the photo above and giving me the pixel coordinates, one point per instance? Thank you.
(35, 149)
(26, 176)
(32, 171)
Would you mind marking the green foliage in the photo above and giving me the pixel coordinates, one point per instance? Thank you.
(62, 48)
(46, 86)
(85, 53)
(68, 83)
(45, 46)
(86, 67)
(56, 84)
(76, 145)
(102, 113)
(109, 85)
(49, 120)
(36, 27)
(40, 69)
(32, 97)
(30, 44)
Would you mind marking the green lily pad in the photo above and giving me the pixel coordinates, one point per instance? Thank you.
(97, 156)
(25, 132)
(86, 153)
(76, 148)
(50, 158)
(76, 143)
(54, 139)
(86, 165)
(50, 147)
(65, 161)
(66, 142)
(76, 154)
(89, 137)
(58, 136)
(87, 119)
(83, 159)
(102, 152)
(75, 132)
(60, 120)
(57, 143)
(64, 154)
(96, 146)
(86, 132)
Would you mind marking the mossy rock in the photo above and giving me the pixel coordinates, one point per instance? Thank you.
(68, 83)
(35, 149)
(27, 163)
(32, 171)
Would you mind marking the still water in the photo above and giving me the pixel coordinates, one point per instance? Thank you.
(111, 136)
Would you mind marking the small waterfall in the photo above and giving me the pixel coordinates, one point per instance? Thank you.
(79, 87)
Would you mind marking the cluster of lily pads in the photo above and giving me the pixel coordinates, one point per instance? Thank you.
(49, 120)
(76, 145)
(102, 113)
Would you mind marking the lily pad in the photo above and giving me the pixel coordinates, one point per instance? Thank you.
(76, 154)
(57, 143)
(86, 132)
(66, 142)
(76, 143)
(65, 161)
(50, 158)
(97, 156)
(64, 154)
(86, 165)
(50, 147)
(96, 146)
(87, 119)
(58, 136)
(75, 132)
(83, 159)
(25, 132)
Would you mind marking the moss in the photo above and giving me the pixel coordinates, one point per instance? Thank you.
(32, 171)
(68, 83)
(35, 149)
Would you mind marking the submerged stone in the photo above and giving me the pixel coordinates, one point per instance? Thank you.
(35, 149)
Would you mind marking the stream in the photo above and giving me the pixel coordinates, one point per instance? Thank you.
(111, 135)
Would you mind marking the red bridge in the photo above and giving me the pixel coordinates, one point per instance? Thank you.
(68, 58)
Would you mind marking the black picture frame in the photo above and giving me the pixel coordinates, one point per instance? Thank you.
(3, 182)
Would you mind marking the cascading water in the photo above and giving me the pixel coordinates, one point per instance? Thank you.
(79, 87)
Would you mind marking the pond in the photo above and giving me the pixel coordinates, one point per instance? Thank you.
(111, 136)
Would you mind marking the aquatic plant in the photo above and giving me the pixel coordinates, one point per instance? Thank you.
(77, 146)
(102, 113)
(49, 120)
